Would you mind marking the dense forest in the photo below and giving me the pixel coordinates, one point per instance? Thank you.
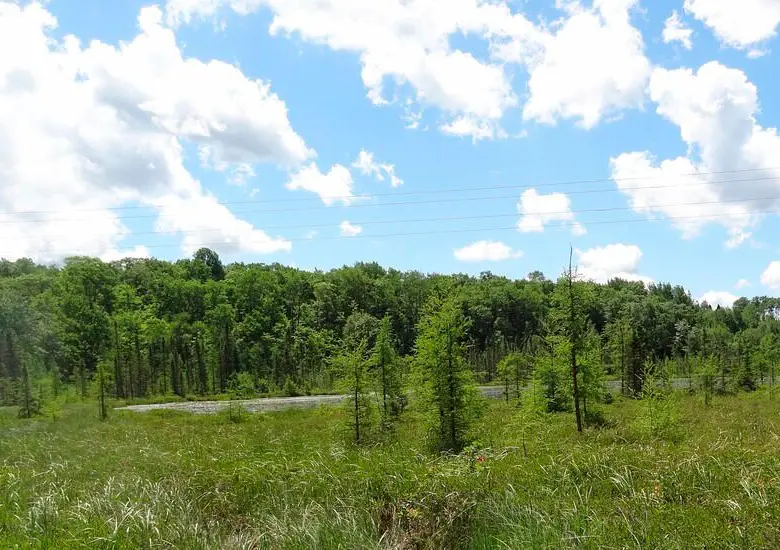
(195, 327)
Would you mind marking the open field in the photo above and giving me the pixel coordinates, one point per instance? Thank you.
(290, 480)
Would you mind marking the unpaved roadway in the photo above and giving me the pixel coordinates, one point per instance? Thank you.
(281, 403)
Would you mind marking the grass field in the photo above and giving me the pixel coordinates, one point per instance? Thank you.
(291, 480)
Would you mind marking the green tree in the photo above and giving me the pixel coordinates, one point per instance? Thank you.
(515, 369)
(387, 373)
(352, 367)
(85, 292)
(569, 315)
(444, 379)
(29, 406)
(210, 259)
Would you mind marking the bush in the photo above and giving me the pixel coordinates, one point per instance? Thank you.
(290, 388)
(241, 386)
(263, 386)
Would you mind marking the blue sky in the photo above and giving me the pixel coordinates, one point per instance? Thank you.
(151, 129)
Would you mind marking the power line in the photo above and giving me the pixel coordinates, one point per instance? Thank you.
(475, 217)
(452, 231)
(408, 203)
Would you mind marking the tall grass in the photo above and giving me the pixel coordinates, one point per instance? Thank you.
(290, 479)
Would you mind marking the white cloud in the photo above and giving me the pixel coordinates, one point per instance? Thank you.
(586, 65)
(89, 129)
(591, 66)
(486, 251)
(349, 230)
(744, 25)
(476, 129)
(715, 298)
(184, 11)
(138, 251)
(333, 187)
(742, 283)
(197, 215)
(366, 165)
(676, 31)
(770, 278)
(538, 210)
(715, 109)
(610, 262)
(406, 44)
(736, 237)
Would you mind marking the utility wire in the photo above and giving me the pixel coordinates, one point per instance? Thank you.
(453, 231)
(475, 217)
(401, 203)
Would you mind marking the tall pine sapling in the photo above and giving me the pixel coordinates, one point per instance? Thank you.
(352, 366)
(569, 317)
(515, 370)
(101, 382)
(29, 406)
(386, 366)
(444, 379)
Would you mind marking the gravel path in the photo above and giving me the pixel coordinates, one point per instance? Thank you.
(251, 405)
(304, 402)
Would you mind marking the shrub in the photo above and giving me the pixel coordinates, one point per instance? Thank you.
(290, 388)
(241, 386)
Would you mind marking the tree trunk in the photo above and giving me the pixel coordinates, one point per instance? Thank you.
(573, 337)
(622, 361)
(103, 412)
(357, 404)
(451, 383)
(140, 389)
(384, 385)
(118, 384)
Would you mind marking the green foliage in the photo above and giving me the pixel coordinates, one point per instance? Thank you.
(352, 366)
(660, 411)
(242, 386)
(387, 374)
(706, 370)
(445, 383)
(290, 388)
(29, 402)
(552, 378)
(515, 370)
(286, 480)
(187, 328)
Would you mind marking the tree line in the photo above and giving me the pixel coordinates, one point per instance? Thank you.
(195, 327)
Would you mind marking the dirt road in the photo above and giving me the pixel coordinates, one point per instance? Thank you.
(306, 402)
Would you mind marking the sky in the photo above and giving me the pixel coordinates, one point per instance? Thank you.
(436, 135)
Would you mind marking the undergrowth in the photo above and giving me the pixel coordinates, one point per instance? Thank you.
(168, 479)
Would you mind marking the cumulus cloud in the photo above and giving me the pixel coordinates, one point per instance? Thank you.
(349, 230)
(715, 298)
(403, 43)
(486, 251)
(743, 25)
(676, 31)
(333, 187)
(590, 66)
(367, 166)
(613, 261)
(715, 109)
(742, 283)
(586, 65)
(770, 278)
(139, 251)
(89, 129)
(538, 210)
